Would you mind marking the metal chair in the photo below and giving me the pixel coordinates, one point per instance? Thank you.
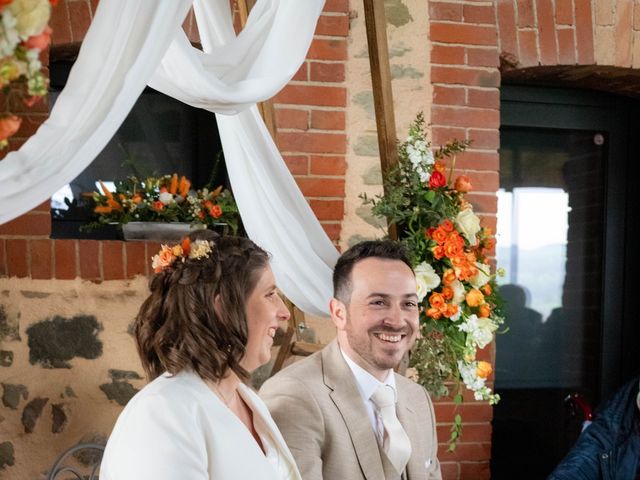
(86, 456)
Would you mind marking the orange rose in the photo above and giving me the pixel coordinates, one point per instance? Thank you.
(436, 300)
(484, 311)
(447, 225)
(447, 292)
(450, 310)
(428, 232)
(437, 180)
(474, 298)
(438, 252)
(157, 205)
(486, 289)
(452, 249)
(484, 369)
(449, 276)
(136, 198)
(434, 313)
(9, 125)
(163, 259)
(439, 166)
(215, 211)
(439, 235)
(463, 184)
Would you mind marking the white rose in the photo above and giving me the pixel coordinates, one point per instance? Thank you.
(479, 330)
(426, 279)
(468, 224)
(458, 292)
(31, 16)
(166, 198)
(482, 277)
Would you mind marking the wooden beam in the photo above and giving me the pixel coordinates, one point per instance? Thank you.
(266, 109)
(376, 24)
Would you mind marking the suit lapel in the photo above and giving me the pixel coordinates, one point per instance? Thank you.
(415, 467)
(347, 399)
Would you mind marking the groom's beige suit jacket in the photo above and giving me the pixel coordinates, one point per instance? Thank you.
(319, 410)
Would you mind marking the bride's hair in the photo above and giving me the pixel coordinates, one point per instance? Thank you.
(181, 325)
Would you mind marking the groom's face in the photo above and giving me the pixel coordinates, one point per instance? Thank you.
(380, 323)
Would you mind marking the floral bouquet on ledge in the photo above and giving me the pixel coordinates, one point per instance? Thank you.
(164, 199)
(24, 33)
(456, 287)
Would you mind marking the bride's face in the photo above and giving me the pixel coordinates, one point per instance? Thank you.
(264, 310)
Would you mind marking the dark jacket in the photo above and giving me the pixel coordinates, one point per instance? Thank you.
(609, 448)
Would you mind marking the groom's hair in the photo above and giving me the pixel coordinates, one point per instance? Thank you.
(195, 317)
(382, 249)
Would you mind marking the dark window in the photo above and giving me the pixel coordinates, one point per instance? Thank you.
(160, 136)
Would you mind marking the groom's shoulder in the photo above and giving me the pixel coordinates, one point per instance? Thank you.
(304, 370)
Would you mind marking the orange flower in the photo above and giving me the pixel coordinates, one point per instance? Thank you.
(428, 232)
(452, 249)
(157, 205)
(434, 313)
(484, 369)
(184, 186)
(474, 298)
(439, 235)
(463, 184)
(438, 252)
(450, 310)
(439, 166)
(216, 192)
(9, 125)
(447, 225)
(448, 276)
(103, 209)
(186, 246)
(436, 300)
(136, 198)
(437, 180)
(484, 311)
(486, 289)
(215, 211)
(41, 41)
(173, 188)
(163, 259)
(447, 292)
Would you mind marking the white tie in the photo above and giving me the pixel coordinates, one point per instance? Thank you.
(396, 445)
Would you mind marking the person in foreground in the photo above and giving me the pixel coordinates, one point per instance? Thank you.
(209, 321)
(343, 411)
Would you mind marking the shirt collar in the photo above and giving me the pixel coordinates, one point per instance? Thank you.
(367, 383)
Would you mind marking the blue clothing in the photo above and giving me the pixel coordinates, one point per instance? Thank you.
(609, 448)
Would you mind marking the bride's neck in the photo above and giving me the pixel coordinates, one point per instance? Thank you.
(226, 387)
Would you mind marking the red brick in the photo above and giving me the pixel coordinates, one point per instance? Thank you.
(478, 432)
(340, 6)
(475, 160)
(584, 32)
(488, 221)
(447, 54)
(475, 470)
(483, 98)
(465, 117)
(328, 209)
(507, 26)
(80, 16)
(65, 259)
(449, 470)
(547, 33)
(327, 120)
(312, 142)
(465, 76)
(470, 412)
(297, 164)
(469, 452)
(60, 24)
(332, 49)
(441, 135)
(483, 202)
(479, 14)
(17, 258)
(313, 95)
(28, 224)
(446, 95)
(445, 11)
(334, 25)
(89, 259)
(528, 47)
(566, 46)
(43, 207)
(525, 13)
(3, 258)
(136, 259)
(466, 34)
(489, 139)
(483, 57)
(484, 181)
(290, 118)
(29, 125)
(328, 165)
(113, 260)
(41, 259)
(332, 230)
(564, 12)
(321, 187)
(302, 75)
(326, 72)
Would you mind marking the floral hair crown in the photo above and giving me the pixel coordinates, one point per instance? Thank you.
(187, 249)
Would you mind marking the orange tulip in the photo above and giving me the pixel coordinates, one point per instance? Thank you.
(173, 188)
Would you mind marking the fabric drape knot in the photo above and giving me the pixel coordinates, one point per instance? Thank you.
(396, 443)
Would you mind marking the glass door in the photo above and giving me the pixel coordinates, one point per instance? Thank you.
(561, 212)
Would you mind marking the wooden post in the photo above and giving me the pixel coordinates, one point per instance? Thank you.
(266, 109)
(376, 25)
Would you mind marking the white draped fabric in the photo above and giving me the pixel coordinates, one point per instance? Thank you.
(135, 42)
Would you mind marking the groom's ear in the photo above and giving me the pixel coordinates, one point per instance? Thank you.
(338, 311)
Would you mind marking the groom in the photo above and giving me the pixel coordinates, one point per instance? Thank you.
(344, 413)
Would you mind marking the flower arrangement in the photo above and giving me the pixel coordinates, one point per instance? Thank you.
(183, 251)
(168, 198)
(456, 287)
(24, 33)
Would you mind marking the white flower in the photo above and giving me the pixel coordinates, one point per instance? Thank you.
(482, 277)
(424, 174)
(9, 37)
(479, 331)
(468, 224)
(470, 377)
(200, 248)
(458, 292)
(426, 279)
(31, 16)
(166, 198)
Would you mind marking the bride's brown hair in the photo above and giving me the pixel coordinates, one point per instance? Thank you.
(178, 328)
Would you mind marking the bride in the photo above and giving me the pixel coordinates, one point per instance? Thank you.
(208, 322)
